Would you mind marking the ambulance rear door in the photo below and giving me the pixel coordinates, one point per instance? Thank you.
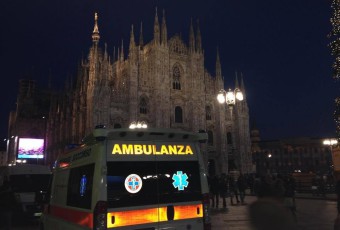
(153, 185)
(179, 186)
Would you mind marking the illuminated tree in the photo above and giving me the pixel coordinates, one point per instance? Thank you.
(335, 51)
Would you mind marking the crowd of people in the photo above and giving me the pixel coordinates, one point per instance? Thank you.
(275, 203)
(275, 207)
(227, 186)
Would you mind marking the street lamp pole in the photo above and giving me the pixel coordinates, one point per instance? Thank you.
(229, 98)
(269, 170)
(330, 142)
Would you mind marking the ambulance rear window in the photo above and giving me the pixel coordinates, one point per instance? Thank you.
(150, 182)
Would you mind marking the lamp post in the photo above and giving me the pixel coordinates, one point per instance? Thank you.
(268, 161)
(330, 142)
(229, 98)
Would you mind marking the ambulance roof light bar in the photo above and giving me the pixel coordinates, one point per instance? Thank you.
(138, 125)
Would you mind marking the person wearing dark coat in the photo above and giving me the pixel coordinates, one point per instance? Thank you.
(233, 190)
(337, 192)
(7, 203)
(289, 185)
(242, 186)
(269, 212)
(214, 190)
(223, 189)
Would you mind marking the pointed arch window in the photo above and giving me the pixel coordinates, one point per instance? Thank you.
(143, 106)
(176, 77)
(207, 113)
(210, 138)
(229, 138)
(178, 115)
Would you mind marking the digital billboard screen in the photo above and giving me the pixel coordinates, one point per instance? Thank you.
(30, 148)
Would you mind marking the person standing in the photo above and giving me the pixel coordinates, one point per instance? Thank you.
(289, 195)
(268, 211)
(257, 184)
(223, 189)
(233, 190)
(337, 191)
(242, 186)
(315, 187)
(214, 187)
(250, 182)
(7, 203)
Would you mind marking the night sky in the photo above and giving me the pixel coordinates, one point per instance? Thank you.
(281, 47)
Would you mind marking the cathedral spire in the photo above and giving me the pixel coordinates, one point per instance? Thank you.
(122, 52)
(132, 38)
(156, 35)
(218, 65)
(141, 42)
(191, 38)
(132, 47)
(242, 88)
(95, 33)
(198, 39)
(236, 80)
(114, 54)
(105, 51)
(164, 30)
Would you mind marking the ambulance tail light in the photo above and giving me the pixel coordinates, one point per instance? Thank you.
(206, 213)
(100, 216)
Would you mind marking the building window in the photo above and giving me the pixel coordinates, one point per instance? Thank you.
(210, 138)
(207, 113)
(176, 83)
(178, 115)
(143, 106)
(229, 138)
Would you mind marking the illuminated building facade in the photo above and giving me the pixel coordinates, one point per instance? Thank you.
(289, 155)
(163, 82)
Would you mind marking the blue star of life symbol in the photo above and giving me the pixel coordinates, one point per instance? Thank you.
(180, 180)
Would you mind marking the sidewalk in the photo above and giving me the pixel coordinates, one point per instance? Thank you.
(331, 196)
(234, 218)
(310, 218)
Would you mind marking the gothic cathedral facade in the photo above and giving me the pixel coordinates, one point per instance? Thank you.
(164, 83)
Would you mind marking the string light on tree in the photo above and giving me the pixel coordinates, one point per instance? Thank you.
(335, 51)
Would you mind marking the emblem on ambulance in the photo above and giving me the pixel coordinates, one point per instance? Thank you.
(180, 180)
(83, 182)
(133, 183)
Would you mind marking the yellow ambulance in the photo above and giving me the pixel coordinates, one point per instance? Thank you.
(142, 179)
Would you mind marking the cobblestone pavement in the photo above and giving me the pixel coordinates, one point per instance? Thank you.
(312, 214)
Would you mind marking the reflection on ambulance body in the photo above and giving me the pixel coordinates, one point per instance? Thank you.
(131, 179)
